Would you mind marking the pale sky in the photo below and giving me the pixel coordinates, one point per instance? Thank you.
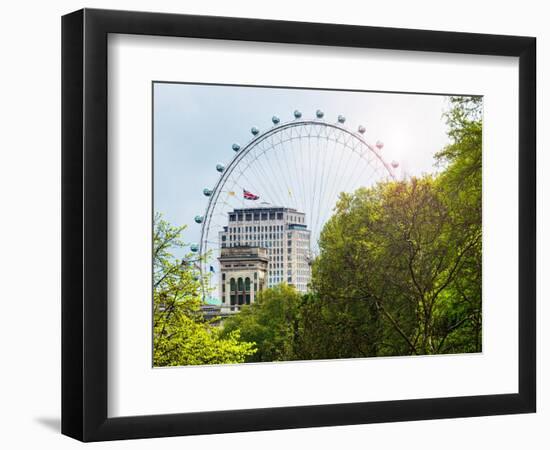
(195, 126)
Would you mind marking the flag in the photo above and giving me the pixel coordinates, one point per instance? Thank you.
(249, 195)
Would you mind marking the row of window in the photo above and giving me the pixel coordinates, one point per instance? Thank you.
(233, 279)
(261, 233)
(255, 229)
(257, 216)
(239, 299)
(276, 280)
(253, 237)
(246, 243)
(238, 217)
(240, 286)
(295, 219)
(237, 265)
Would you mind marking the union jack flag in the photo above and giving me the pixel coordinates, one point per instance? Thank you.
(249, 195)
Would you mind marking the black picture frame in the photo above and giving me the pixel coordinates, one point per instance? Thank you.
(84, 224)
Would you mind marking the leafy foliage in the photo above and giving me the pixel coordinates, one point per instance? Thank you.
(181, 336)
(270, 322)
(411, 250)
(395, 250)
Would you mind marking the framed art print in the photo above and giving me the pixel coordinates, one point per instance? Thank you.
(274, 224)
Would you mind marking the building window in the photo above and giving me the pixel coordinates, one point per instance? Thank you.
(248, 217)
(280, 216)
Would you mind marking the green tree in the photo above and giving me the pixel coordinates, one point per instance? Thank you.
(334, 327)
(271, 322)
(390, 254)
(409, 253)
(181, 336)
(461, 182)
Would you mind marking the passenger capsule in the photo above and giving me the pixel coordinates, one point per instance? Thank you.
(319, 114)
(194, 248)
(275, 120)
(254, 131)
(199, 219)
(207, 192)
(379, 145)
(236, 147)
(341, 119)
(361, 129)
(394, 164)
(220, 167)
(297, 114)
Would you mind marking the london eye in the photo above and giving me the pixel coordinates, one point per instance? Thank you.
(302, 164)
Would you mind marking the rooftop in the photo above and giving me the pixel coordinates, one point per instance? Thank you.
(243, 252)
(265, 208)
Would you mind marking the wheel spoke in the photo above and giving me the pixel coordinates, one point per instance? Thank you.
(304, 164)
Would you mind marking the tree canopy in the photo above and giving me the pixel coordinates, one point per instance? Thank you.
(181, 336)
(271, 322)
(410, 250)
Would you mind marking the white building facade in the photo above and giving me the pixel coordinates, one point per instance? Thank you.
(243, 273)
(282, 232)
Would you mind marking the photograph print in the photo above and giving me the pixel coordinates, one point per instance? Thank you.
(296, 224)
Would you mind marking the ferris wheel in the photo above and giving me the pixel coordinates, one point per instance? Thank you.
(301, 164)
